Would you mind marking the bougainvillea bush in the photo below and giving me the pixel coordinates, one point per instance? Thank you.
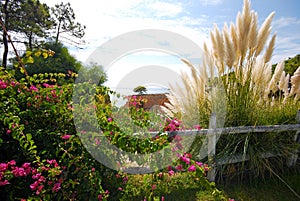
(43, 156)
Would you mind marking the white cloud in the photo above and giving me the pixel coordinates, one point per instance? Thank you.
(163, 9)
(108, 19)
(286, 21)
(211, 2)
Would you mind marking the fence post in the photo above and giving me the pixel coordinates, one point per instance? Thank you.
(293, 159)
(212, 146)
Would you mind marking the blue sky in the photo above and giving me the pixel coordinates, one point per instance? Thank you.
(193, 19)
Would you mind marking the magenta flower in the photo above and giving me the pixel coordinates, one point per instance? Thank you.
(120, 189)
(162, 198)
(185, 159)
(197, 127)
(33, 88)
(65, 137)
(109, 119)
(3, 183)
(153, 187)
(200, 164)
(8, 132)
(12, 162)
(39, 190)
(19, 172)
(171, 172)
(3, 167)
(56, 187)
(179, 168)
(192, 168)
(3, 85)
(34, 185)
(100, 198)
(36, 176)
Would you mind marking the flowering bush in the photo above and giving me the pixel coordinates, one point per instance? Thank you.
(43, 158)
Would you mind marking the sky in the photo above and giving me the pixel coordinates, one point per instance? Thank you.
(192, 19)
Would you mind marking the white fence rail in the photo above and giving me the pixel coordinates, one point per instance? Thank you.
(213, 132)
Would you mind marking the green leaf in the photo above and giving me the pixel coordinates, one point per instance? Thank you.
(28, 53)
(45, 55)
(37, 54)
(30, 60)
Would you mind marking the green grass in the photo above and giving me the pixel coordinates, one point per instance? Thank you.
(269, 189)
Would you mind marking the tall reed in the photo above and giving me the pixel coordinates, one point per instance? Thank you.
(239, 62)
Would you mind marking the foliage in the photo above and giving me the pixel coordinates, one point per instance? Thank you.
(65, 22)
(290, 65)
(58, 61)
(28, 18)
(37, 132)
(140, 90)
(245, 90)
(45, 158)
(35, 22)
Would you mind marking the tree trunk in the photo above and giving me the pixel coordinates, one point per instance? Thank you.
(4, 35)
(30, 41)
(58, 32)
(5, 52)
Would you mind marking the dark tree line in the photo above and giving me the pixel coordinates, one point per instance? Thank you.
(33, 23)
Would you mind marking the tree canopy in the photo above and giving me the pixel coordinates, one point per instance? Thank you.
(31, 23)
(65, 22)
(61, 62)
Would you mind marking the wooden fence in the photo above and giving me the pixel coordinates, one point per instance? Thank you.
(213, 132)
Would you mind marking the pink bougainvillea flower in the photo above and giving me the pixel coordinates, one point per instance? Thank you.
(120, 189)
(11, 163)
(3, 85)
(192, 168)
(26, 165)
(179, 167)
(206, 167)
(197, 127)
(34, 185)
(3, 183)
(188, 155)
(36, 176)
(33, 88)
(8, 132)
(171, 172)
(125, 179)
(200, 164)
(56, 187)
(39, 189)
(3, 167)
(185, 159)
(65, 137)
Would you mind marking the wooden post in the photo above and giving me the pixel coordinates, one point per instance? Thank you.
(293, 159)
(212, 147)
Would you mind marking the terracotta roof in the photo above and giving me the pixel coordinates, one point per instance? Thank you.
(152, 100)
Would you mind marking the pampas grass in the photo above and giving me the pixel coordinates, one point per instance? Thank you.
(239, 62)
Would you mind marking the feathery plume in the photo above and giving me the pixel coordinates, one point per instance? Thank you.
(263, 34)
(270, 49)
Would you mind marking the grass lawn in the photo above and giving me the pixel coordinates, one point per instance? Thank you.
(271, 189)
